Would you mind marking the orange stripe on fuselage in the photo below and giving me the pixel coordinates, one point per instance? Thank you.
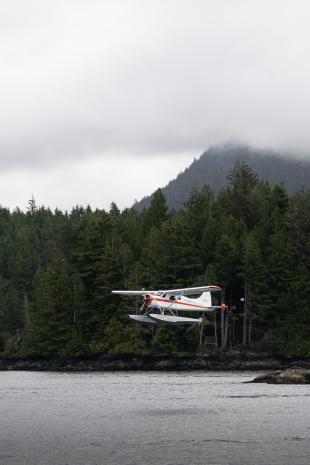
(180, 302)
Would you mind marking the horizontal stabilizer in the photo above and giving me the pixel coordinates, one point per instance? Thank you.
(213, 307)
(174, 320)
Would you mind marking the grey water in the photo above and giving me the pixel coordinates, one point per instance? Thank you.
(156, 418)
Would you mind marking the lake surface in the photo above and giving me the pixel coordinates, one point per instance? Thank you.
(186, 418)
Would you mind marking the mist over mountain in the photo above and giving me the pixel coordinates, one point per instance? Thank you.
(213, 166)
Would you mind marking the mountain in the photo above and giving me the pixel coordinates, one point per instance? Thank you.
(213, 166)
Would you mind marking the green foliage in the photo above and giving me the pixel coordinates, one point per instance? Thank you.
(242, 184)
(157, 212)
(296, 322)
(56, 323)
(57, 270)
(124, 338)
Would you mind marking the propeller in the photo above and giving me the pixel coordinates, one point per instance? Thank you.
(147, 300)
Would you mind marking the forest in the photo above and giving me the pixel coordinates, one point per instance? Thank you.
(57, 270)
(213, 166)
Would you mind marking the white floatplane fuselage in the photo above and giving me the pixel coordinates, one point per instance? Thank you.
(162, 307)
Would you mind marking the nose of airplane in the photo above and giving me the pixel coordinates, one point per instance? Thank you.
(147, 299)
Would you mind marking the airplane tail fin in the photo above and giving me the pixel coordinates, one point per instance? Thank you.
(205, 298)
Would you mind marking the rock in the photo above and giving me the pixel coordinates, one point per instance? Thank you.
(197, 363)
(290, 376)
(165, 365)
(204, 360)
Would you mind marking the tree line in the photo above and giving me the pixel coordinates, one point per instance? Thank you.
(57, 270)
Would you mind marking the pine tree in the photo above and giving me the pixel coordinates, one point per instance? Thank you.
(91, 235)
(296, 325)
(198, 213)
(242, 183)
(55, 322)
(157, 212)
(32, 206)
(253, 275)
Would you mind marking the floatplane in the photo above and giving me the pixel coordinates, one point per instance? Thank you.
(163, 306)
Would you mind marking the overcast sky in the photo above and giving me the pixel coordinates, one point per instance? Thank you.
(106, 100)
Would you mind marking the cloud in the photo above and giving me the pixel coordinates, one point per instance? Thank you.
(82, 79)
(97, 94)
(96, 182)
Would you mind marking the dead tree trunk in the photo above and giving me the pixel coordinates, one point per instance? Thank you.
(249, 329)
(26, 311)
(222, 328)
(244, 335)
(244, 338)
(222, 323)
(215, 329)
(226, 315)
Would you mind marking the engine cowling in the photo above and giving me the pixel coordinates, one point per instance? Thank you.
(147, 299)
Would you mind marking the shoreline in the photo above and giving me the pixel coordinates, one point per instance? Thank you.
(127, 362)
(288, 376)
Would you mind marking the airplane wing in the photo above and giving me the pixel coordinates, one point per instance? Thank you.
(133, 292)
(192, 290)
(183, 291)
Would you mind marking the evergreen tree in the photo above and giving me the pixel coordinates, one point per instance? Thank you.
(57, 269)
(198, 213)
(296, 325)
(157, 212)
(242, 183)
(56, 324)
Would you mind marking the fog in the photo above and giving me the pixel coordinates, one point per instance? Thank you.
(90, 88)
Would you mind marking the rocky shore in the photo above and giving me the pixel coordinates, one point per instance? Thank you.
(289, 376)
(232, 360)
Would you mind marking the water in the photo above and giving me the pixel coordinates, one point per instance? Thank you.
(205, 418)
